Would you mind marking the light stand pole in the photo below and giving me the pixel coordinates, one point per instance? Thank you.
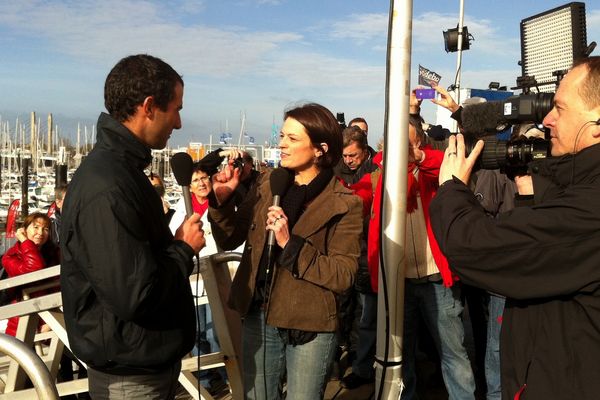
(461, 15)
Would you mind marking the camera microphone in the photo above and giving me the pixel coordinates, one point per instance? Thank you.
(483, 118)
(182, 166)
(280, 179)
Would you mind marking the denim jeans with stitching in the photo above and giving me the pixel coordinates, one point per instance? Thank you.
(441, 308)
(268, 361)
(367, 337)
(492, 351)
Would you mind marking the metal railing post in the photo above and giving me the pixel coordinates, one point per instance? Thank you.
(32, 364)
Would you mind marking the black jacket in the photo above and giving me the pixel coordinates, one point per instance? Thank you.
(545, 259)
(126, 294)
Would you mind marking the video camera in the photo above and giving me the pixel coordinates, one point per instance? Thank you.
(239, 163)
(512, 156)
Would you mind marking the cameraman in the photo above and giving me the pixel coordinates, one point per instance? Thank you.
(543, 257)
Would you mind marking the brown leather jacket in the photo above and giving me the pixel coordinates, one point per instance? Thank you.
(326, 263)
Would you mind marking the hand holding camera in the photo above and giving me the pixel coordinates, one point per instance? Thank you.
(455, 163)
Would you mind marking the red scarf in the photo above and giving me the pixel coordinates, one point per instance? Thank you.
(199, 208)
(412, 188)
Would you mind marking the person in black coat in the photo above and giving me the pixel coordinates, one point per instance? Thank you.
(128, 305)
(543, 256)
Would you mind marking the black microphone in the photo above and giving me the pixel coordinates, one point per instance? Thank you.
(182, 166)
(280, 179)
(483, 118)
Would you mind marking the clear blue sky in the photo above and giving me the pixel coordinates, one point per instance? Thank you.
(252, 56)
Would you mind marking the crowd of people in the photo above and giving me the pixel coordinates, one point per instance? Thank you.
(520, 251)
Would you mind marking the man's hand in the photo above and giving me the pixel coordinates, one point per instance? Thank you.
(524, 184)
(231, 154)
(415, 154)
(455, 163)
(225, 182)
(414, 105)
(191, 232)
(445, 99)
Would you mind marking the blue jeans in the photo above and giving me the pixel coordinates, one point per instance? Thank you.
(268, 360)
(367, 337)
(441, 309)
(492, 351)
(208, 342)
(206, 332)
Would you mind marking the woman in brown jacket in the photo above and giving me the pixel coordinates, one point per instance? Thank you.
(290, 310)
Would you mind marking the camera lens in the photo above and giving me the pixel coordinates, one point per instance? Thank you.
(500, 154)
(543, 103)
(528, 107)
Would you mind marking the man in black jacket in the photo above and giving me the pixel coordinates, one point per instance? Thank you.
(543, 257)
(128, 306)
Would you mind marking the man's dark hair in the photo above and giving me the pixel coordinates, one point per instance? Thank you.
(357, 120)
(417, 122)
(247, 157)
(322, 127)
(589, 89)
(354, 134)
(60, 191)
(133, 79)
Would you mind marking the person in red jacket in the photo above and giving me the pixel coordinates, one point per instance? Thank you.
(32, 252)
(430, 287)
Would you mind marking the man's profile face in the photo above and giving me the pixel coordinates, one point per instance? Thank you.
(362, 125)
(59, 203)
(567, 118)
(165, 121)
(354, 156)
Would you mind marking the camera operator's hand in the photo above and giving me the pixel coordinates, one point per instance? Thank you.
(524, 184)
(455, 163)
(445, 100)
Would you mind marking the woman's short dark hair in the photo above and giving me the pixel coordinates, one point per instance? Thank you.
(133, 79)
(322, 127)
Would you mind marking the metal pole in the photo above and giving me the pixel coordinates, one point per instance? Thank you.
(459, 44)
(60, 175)
(33, 365)
(389, 335)
(25, 187)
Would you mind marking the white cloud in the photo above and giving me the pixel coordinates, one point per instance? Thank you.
(318, 71)
(94, 31)
(360, 27)
(269, 2)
